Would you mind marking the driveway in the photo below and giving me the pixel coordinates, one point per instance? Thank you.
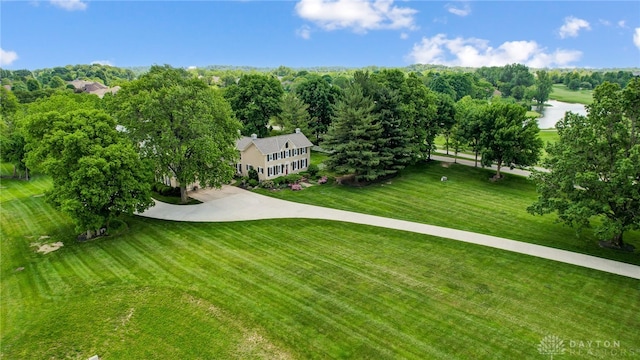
(234, 204)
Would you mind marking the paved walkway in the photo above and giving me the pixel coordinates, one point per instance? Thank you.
(234, 204)
(468, 160)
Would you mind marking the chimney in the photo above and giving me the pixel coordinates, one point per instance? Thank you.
(297, 130)
(254, 136)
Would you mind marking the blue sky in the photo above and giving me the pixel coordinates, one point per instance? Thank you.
(306, 33)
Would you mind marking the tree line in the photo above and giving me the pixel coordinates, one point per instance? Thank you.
(104, 154)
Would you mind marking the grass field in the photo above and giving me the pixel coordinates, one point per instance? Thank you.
(549, 136)
(467, 201)
(561, 93)
(289, 289)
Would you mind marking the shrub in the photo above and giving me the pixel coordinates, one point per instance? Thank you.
(253, 175)
(586, 85)
(268, 184)
(292, 178)
(278, 181)
(253, 182)
(165, 190)
(313, 170)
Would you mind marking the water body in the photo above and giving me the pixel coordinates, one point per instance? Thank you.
(555, 112)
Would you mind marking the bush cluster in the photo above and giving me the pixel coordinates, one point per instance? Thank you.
(165, 190)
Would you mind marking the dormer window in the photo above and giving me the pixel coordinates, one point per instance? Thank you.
(286, 145)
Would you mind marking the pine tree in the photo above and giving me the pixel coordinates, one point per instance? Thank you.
(354, 137)
(394, 147)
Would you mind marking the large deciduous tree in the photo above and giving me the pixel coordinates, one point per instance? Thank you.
(509, 137)
(255, 99)
(321, 97)
(97, 174)
(595, 165)
(468, 124)
(446, 117)
(420, 112)
(185, 127)
(543, 87)
(11, 138)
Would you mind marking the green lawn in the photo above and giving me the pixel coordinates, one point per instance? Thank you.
(549, 136)
(561, 93)
(467, 201)
(298, 289)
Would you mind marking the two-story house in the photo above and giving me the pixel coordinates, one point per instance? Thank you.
(274, 156)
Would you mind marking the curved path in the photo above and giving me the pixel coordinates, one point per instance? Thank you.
(234, 204)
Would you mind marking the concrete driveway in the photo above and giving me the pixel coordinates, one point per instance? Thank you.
(234, 204)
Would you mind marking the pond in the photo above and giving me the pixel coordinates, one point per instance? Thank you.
(555, 112)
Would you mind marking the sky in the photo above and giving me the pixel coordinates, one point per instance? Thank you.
(37, 34)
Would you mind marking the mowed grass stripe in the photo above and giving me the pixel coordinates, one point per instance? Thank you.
(264, 238)
(353, 312)
(272, 289)
(450, 327)
(269, 270)
(311, 288)
(467, 201)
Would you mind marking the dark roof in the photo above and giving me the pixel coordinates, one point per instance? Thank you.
(274, 144)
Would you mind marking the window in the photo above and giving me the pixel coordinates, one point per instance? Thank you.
(286, 145)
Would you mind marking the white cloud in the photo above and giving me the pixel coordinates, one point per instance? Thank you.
(605, 22)
(636, 37)
(572, 27)
(622, 23)
(7, 57)
(304, 32)
(359, 15)
(70, 5)
(102, 62)
(472, 52)
(464, 11)
(404, 36)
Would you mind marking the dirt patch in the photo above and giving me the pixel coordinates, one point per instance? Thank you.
(445, 164)
(37, 196)
(47, 248)
(126, 318)
(43, 237)
(19, 269)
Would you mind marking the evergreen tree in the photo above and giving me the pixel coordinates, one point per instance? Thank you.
(294, 114)
(354, 137)
(394, 147)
